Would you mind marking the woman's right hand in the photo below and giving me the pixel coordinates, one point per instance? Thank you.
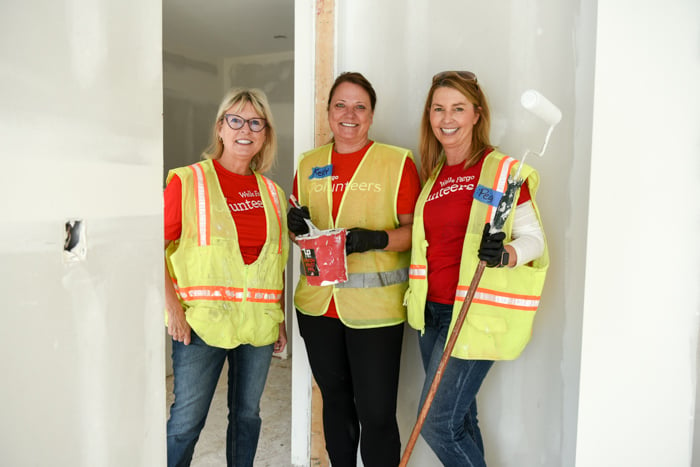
(296, 222)
(178, 327)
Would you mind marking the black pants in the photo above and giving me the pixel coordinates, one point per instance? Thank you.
(357, 371)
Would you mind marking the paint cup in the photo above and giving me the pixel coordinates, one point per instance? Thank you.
(323, 257)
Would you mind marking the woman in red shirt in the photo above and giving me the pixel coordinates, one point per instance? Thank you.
(226, 247)
(353, 331)
(455, 148)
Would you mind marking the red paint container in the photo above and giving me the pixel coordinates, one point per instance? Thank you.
(323, 257)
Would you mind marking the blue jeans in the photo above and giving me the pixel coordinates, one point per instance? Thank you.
(196, 369)
(451, 428)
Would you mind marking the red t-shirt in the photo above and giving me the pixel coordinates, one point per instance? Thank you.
(244, 202)
(344, 166)
(446, 216)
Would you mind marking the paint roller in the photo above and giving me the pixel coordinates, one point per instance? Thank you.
(537, 104)
(541, 106)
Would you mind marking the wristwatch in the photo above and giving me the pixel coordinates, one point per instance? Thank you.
(505, 257)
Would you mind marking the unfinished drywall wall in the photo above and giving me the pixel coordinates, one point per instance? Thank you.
(192, 90)
(528, 406)
(81, 338)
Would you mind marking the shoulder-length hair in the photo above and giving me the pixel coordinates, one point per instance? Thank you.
(238, 98)
(429, 146)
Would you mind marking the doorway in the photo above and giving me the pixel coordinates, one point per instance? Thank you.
(207, 49)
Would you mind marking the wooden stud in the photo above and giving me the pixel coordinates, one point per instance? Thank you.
(325, 54)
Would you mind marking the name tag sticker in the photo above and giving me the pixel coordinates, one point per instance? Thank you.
(321, 172)
(487, 195)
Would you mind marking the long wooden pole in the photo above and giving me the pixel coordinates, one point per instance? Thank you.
(443, 363)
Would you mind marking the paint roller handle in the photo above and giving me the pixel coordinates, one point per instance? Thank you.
(541, 106)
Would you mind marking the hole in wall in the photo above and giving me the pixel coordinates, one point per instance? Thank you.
(74, 241)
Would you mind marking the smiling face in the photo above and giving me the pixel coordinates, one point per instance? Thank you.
(241, 145)
(452, 118)
(350, 117)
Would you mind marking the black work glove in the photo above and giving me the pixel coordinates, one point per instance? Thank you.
(491, 249)
(360, 240)
(295, 220)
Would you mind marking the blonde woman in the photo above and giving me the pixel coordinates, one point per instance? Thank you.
(226, 248)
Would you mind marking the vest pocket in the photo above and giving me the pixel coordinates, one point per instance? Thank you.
(493, 337)
(481, 337)
(415, 309)
(487, 324)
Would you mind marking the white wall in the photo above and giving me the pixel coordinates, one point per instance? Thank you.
(639, 372)
(640, 329)
(83, 381)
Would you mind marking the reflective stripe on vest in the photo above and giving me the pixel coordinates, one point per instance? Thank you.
(500, 182)
(272, 191)
(500, 299)
(201, 193)
(229, 294)
(418, 271)
(366, 280)
(264, 295)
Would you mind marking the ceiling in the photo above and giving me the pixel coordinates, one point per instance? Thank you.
(228, 28)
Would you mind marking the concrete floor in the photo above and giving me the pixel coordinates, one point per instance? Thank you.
(274, 447)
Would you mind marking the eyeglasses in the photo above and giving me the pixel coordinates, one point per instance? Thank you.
(465, 75)
(236, 122)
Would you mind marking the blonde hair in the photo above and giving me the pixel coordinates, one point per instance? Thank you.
(265, 159)
(429, 146)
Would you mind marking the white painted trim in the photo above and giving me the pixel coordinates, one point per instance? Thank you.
(304, 59)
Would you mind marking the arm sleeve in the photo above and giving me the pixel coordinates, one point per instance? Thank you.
(172, 215)
(524, 195)
(409, 188)
(527, 234)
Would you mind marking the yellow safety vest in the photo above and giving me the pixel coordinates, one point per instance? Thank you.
(226, 301)
(499, 323)
(377, 280)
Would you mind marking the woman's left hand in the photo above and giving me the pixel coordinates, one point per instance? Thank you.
(281, 342)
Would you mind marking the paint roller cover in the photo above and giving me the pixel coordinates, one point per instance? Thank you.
(540, 106)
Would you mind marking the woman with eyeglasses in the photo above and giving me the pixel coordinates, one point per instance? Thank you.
(451, 234)
(353, 330)
(226, 246)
